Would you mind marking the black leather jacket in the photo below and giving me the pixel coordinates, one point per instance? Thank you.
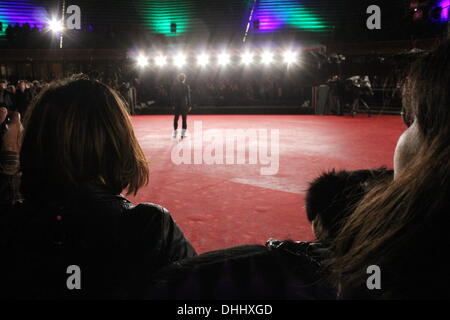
(116, 245)
(281, 270)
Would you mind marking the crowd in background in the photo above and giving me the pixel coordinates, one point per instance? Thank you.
(145, 94)
(18, 96)
(211, 91)
(239, 92)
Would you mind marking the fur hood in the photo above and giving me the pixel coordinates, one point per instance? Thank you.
(334, 195)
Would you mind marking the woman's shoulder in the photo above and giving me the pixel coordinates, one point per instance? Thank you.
(143, 214)
(152, 219)
(152, 225)
(147, 211)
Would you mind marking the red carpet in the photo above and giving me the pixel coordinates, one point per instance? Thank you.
(220, 205)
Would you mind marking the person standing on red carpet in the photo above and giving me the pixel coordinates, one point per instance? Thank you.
(181, 104)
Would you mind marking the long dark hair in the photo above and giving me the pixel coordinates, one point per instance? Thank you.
(78, 131)
(404, 226)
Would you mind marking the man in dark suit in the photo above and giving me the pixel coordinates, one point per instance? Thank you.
(181, 104)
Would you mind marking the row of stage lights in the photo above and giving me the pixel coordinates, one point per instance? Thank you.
(223, 59)
(288, 57)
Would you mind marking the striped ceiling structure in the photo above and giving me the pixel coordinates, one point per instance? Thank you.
(14, 12)
(272, 15)
(174, 18)
(178, 17)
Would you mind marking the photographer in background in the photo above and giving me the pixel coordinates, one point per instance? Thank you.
(361, 90)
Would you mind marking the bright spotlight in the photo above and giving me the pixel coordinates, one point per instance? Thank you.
(203, 59)
(224, 59)
(160, 61)
(267, 57)
(179, 60)
(289, 57)
(55, 25)
(247, 58)
(142, 61)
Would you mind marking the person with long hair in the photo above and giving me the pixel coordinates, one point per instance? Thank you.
(401, 226)
(74, 235)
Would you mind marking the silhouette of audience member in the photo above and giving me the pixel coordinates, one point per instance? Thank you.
(79, 152)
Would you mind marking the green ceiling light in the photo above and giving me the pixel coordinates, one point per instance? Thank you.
(3, 26)
(304, 19)
(169, 17)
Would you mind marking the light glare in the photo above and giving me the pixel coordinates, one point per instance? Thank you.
(247, 58)
(224, 59)
(180, 60)
(55, 25)
(289, 57)
(160, 61)
(267, 57)
(203, 59)
(142, 61)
